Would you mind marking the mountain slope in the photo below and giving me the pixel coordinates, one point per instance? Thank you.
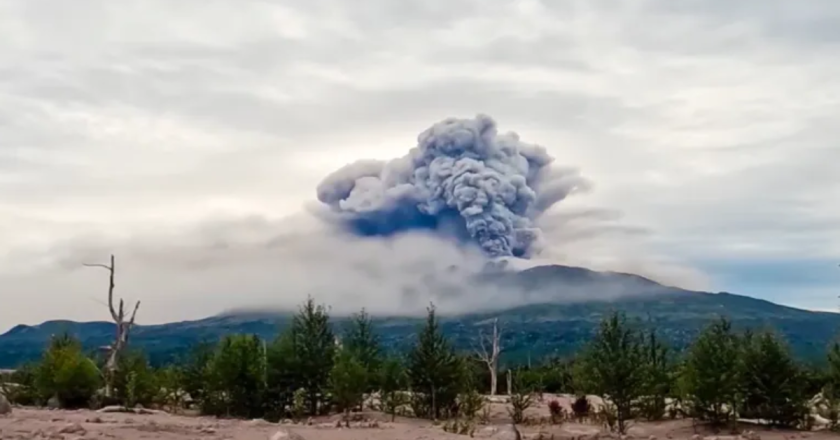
(549, 325)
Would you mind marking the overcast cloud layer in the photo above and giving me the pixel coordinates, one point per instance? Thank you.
(188, 137)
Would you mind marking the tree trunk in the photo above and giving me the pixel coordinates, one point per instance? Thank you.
(494, 381)
(123, 328)
(491, 356)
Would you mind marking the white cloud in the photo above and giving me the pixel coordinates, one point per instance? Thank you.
(707, 124)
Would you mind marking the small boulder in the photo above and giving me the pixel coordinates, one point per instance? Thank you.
(507, 432)
(5, 406)
(285, 434)
(53, 403)
(73, 428)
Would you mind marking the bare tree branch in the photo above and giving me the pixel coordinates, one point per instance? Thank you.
(491, 357)
(123, 327)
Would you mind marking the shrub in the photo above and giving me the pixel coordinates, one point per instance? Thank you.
(519, 402)
(134, 381)
(558, 413)
(169, 382)
(581, 408)
(469, 404)
(67, 374)
(19, 388)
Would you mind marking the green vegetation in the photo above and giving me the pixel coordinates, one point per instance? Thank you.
(306, 371)
(530, 331)
(66, 374)
(435, 373)
(710, 380)
(614, 366)
(348, 382)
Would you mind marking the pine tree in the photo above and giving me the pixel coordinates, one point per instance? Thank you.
(709, 379)
(614, 366)
(434, 372)
(283, 376)
(348, 382)
(392, 383)
(195, 367)
(657, 379)
(314, 348)
(361, 340)
(772, 382)
(236, 378)
(832, 388)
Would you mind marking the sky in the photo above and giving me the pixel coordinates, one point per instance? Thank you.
(188, 138)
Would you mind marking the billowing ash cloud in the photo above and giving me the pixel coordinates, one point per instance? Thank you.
(462, 180)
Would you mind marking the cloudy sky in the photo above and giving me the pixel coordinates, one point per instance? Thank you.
(188, 137)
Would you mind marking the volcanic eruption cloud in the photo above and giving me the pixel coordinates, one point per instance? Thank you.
(463, 180)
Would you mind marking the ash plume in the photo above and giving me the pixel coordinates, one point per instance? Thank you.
(463, 180)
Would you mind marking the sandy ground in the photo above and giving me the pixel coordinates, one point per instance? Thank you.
(31, 423)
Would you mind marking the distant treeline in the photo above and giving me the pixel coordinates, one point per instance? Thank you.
(307, 369)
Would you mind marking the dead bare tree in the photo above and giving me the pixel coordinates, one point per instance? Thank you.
(490, 355)
(123, 327)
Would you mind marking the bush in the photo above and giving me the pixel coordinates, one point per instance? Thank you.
(558, 413)
(193, 380)
(67, 374)
(520, 400)
(19, 387)
(581, 408)
(469, 404)
(170, 393)
(135, 381)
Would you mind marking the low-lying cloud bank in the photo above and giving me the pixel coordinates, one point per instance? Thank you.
(391, 237)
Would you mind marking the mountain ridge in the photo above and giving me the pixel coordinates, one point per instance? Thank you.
(556, 319)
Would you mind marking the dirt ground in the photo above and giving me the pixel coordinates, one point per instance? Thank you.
(31, 423)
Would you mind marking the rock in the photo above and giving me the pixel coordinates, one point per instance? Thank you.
(285, 434)
(73, 428)
(696, 437)
(487, 432)
(5, 406)
(652, 437)
(94, 420)
(751, 435)
(507, 432)
(53, 403)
